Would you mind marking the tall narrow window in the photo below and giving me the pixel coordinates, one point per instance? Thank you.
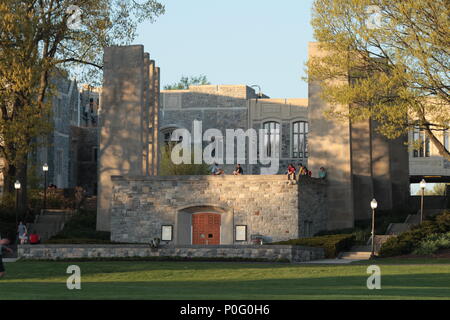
(300, 139)
(446, 140)
(272, 138)
(422, 143)
(59, 162)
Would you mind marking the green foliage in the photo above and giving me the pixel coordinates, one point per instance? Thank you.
(39, 43)
(387, 72)
(81, 228)
(332, 244)
(439, 189)
(185, 82)
(57, 240)
(433, 243)
(408, 241)
(168, 168)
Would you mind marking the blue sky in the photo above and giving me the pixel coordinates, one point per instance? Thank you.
(233, 42)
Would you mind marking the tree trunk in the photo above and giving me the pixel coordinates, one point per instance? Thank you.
(11, 174)
(437, 143)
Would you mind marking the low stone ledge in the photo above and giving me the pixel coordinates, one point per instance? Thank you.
(264, 252)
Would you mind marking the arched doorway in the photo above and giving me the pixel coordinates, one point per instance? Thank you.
(206, 228)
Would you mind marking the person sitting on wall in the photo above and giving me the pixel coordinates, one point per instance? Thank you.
(216, 171)
(238, 171)
(34, 238)
(322, 173)
(291, 174)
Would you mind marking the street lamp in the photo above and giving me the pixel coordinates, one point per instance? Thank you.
(17, 187)
(259, 90)
(423, 184)
(45, 169)
(373, 205)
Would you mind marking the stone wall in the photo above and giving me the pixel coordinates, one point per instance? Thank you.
(267, 205)
(267, 252)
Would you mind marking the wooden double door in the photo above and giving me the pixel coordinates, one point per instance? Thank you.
(206, 228)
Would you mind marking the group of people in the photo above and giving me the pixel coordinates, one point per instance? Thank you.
(217, 171)
(302, 171)
(24, 238)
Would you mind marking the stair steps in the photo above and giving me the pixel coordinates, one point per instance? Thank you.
(357, 253)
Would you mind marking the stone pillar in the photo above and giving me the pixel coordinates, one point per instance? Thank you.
(329, 147)
(124, 122)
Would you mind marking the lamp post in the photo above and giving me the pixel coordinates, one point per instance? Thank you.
(423, 184)
(373, 205)
(17, 187)
(45, 169)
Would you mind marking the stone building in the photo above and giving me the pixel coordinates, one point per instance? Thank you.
(137, 205)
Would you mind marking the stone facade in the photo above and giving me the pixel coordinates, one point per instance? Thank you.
(267, 205)
(266, 252)
(128, 121)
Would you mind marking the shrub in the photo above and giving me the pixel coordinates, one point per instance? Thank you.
(408, 241)
(332, 244)
(78, 241)
(82, 226)
(433, 243)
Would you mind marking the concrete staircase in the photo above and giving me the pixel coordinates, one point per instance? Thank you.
(90, 203)
(50, 223)
(356, 253)
(397, 228)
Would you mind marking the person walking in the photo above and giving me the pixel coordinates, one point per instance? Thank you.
(3, 243)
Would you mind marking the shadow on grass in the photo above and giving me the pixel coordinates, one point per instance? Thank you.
(416, 286)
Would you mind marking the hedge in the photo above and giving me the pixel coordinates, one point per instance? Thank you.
(408, 241)
(332, 244)
(78, 241)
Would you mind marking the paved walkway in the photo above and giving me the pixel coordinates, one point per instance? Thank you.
(329, 261)
(10, 259)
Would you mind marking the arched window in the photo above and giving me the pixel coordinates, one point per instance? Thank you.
(300, 139)
(272, 138)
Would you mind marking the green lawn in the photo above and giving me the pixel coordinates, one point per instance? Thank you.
(223, 280)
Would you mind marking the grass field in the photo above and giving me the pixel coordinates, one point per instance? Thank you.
(225, 280)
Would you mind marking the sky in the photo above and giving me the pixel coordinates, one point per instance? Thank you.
(252, 42)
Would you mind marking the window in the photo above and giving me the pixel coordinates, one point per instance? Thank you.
(59, 162)
(446, 140)
(300, 139)
(422, 141)
(272, 138)
(167, 136)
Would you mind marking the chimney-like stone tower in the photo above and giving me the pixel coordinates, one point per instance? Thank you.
(128, 121)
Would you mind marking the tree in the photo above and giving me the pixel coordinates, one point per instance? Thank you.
(185, 82)
(40, 39)
(168, 168)
(394, 58)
